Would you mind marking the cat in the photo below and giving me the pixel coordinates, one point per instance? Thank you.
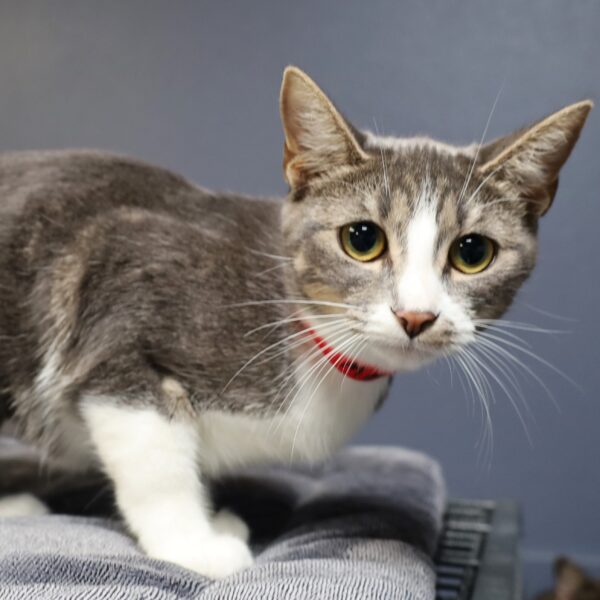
(167, 334)
(571, 583)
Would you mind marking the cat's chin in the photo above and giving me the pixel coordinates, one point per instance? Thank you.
(400, 359)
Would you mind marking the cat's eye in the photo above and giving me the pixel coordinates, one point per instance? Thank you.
(472, 253)
(363, 241)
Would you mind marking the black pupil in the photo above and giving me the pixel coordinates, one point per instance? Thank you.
(363, 237)
(473, 249)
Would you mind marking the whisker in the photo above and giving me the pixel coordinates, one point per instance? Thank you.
(504, 368)
(483, 182)
(533, 355)
(547, 313)
(290, 316)
(291, 320)
(261, 352)
(327, 328)
(500, 350)
(506, 391)
(274, 268)
(347, 344)
(289, 374)
(478, 392)
(386, 181)
(353, 358)
(301, 382)
(268, 255)
(312, 352)
(500, 331)
(485, 130)
(290, 301)
(517, 325)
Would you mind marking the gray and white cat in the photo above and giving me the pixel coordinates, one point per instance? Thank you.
(167, 334)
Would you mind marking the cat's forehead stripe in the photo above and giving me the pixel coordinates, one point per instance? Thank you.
(418, 174)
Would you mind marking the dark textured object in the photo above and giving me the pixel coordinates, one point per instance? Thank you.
(477, 556)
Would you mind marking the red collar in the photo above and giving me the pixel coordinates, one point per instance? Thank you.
(345, 365)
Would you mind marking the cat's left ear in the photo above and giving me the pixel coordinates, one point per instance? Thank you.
(531, 158)
(317, 137)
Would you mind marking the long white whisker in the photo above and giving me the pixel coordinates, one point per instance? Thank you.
(333, 341)
(268, 255)
(302, 381)
(504, 352)
(535, 357)
(386, 181)
(347, 344)
(291, 371)
(547, 313)
(504, 366)
(506, 391)
(290, 301)
(327, 328)
(353, 358)
(291, 320)
(468, 368)
(270, 269)
(485, 130)
(517, 325)
(505, 333)
(261, 352)
(483, 182)
(505, 369)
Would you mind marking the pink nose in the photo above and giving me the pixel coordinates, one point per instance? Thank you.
(415, 322)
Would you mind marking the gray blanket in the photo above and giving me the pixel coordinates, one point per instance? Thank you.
(362, 526)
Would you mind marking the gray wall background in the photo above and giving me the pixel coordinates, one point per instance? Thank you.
(193, 86)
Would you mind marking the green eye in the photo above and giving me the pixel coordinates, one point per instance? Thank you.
(472, 253)
(363, 241)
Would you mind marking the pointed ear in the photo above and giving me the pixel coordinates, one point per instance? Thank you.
(531, 158)
(569, 578)
(317, 137)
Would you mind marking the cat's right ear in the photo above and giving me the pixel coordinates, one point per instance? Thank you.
(531, 158)
(317, 137)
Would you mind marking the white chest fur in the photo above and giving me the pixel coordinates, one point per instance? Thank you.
(319, 419)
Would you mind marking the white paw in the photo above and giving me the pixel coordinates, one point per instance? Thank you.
(22, 505)
(216, 555)
(227, 522)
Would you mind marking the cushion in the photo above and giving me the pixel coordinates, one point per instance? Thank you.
(362, 525)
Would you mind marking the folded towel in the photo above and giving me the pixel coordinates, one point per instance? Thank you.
(363, 525)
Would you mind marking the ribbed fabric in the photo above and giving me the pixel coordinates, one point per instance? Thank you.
(361, 527)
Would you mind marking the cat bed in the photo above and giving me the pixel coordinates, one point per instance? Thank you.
(364, 525)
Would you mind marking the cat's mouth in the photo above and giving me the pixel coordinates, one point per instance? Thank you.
(385, 351)
(398, 354)
(387, 354)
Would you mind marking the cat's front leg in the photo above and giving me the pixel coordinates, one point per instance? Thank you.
(153, 463)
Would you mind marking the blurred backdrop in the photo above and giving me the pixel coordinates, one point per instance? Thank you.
(193, 86)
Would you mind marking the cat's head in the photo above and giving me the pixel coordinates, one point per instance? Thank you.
(415, 243)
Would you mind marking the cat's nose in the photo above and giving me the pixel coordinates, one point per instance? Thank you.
(415, 322)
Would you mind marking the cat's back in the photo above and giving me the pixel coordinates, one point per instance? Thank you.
(48, 197)
(83, 182)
